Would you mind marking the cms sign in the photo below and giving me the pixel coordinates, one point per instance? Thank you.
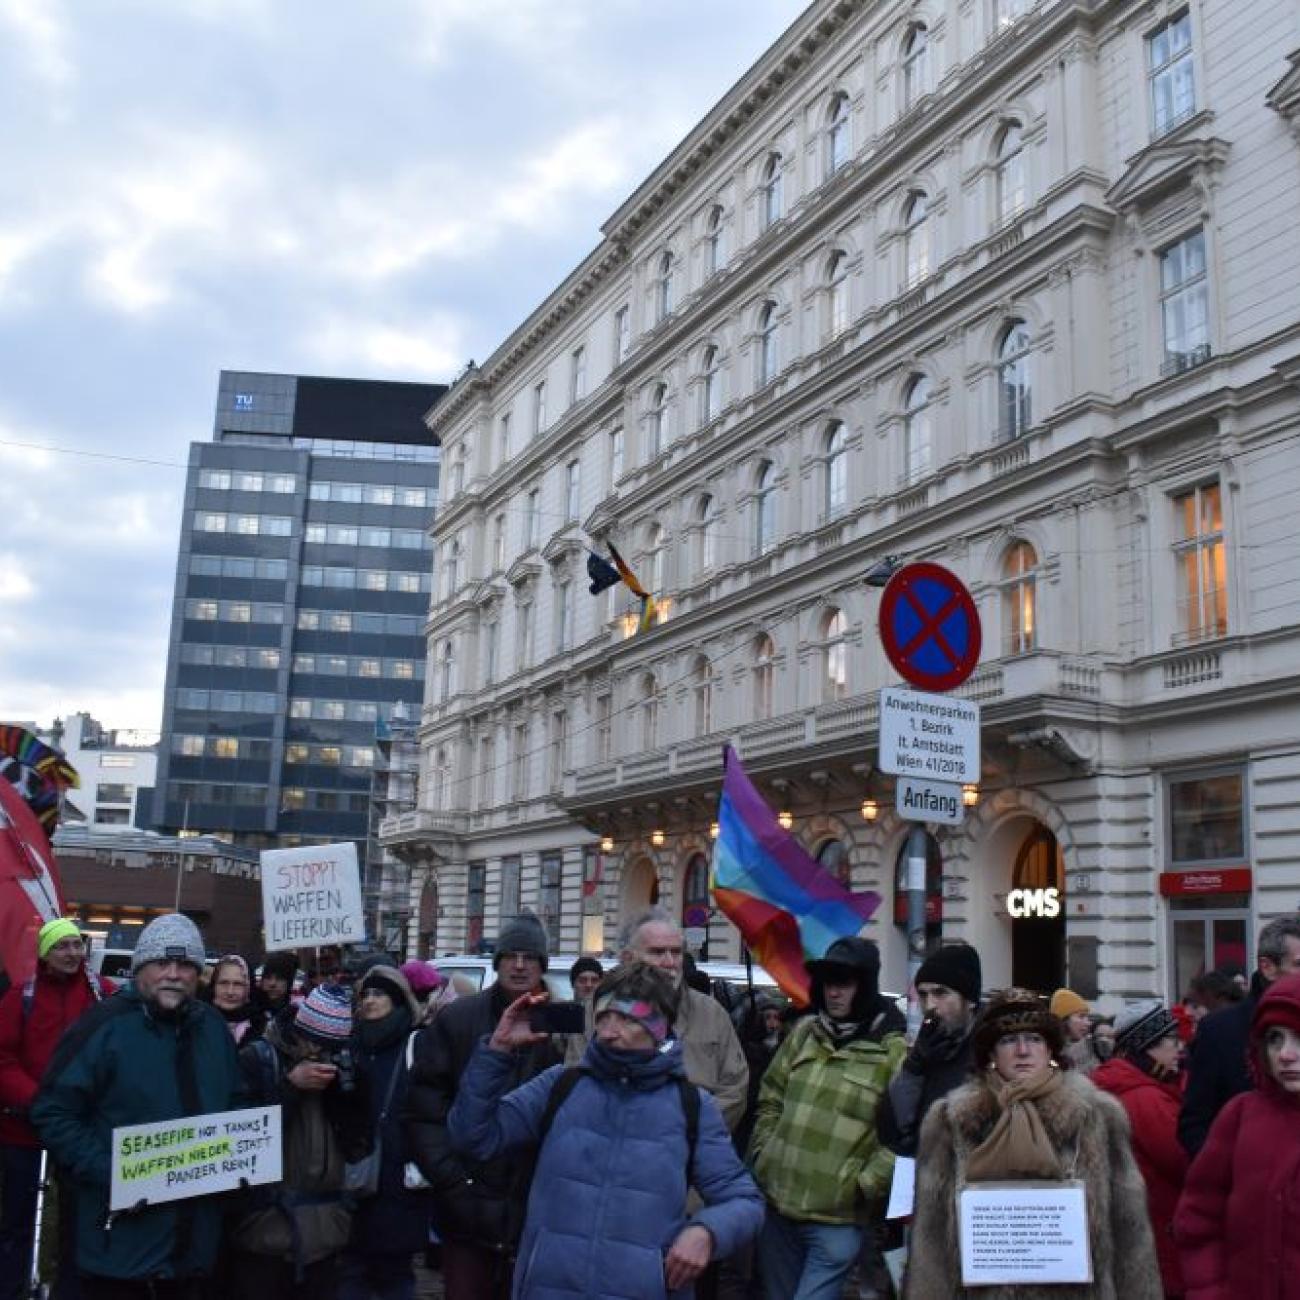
(1045, 903)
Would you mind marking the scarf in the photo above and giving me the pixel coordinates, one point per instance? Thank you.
(375, 1035)
(840, 1031)
(1018, 1145)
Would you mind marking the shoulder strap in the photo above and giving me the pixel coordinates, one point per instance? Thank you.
(690, 1096)
(564, 1085)
(391, 1089)
(29, 998)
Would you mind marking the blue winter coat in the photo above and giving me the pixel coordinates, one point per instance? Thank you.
(121, 1064)
(608, 1196)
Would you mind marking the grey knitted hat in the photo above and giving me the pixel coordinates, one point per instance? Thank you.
(1143, 1024)
(522, 933)
(169, 938)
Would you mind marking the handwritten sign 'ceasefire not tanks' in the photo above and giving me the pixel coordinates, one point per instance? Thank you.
(311, 897)
(931, 737)
(195, 1156)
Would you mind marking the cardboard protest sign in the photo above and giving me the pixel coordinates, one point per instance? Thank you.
(195, 1156)
(311, 897)
(1026, 1233)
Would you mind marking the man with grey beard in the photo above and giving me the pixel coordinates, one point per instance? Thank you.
(151, 1052)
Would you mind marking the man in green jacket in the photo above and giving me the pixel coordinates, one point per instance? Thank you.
(814, 1150)
(151, 1052)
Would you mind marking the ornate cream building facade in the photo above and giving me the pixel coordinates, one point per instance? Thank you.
(1008, 286)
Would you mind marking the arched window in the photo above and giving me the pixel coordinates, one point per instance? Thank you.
(765, 508)
(772, 198)
(1019, 599)
(933, 891)
(764, 675)
(656, 420)
(838, 134)
(767, 344)
(833, 856)
(441, 778)
(835, 661)
(664, 288)
(649, 705)
(837, 294)
(695, 893)
(707, 515)
(447, 670)
(1010, 173)
(702, 688)
(1015, 401)
(916, 64)
(715, 255)
(657, 554)
(710, 385)
(837, 471)
(917, 453)
(916, 238)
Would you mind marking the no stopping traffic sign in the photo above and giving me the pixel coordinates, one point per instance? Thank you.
(930, 627)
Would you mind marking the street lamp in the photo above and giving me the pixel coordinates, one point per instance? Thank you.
(657, 839)
(970, 796)
(870, 810)
(785, 819)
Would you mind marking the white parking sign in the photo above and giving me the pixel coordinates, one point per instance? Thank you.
(934, 737)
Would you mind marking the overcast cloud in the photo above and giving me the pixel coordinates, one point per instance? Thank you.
(304, 186)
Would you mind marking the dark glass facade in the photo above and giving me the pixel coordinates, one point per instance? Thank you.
(302, 586)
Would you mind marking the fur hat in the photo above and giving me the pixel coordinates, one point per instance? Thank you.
(522, 933)
(1141, 1025)
(172, 937)
(1013, 1011)
(325, 1015)
(956, 966)
(283, 965)
(1066, 1002)
(860, 958)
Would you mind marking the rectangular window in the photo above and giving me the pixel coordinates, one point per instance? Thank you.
(486, 771)
(308, 620)
(532, 519)
(491, 635)
(499, 543)
(207, 522)
(604, 713)
(503, 439)
(330, 755)
(204, 610)
(510, 872)
(519, 765)
(548, 901)
(296, 753)
(578, 374)
(563, 615)
(622, 335)
(475, 900)
(559, 745)
(188, 746)
(315, 534)
(1184, 304)
(216, 479)
(615, 457)
(539, 408)
(572, 490)
(1171, 74)
(1201, 565)
(525, 638)
(299, 708)
(1207, 818)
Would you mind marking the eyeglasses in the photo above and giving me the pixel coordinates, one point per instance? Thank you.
(1022, 1040)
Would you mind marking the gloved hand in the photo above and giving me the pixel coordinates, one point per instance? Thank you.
(935, 1043)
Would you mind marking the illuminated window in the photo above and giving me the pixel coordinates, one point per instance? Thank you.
(1201, 565)
(1019, 600)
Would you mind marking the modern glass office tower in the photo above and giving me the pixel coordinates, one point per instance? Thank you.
(302, 588)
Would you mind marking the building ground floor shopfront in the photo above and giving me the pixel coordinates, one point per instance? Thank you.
(1120, 858)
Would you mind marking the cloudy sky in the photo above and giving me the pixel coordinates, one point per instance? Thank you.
(309, 186)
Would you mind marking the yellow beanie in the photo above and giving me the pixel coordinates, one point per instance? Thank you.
(51, 932)
(1065, 1002)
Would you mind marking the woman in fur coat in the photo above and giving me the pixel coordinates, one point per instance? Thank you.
(1025, 1117)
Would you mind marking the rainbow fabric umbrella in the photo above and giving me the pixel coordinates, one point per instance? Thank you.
(786, 907)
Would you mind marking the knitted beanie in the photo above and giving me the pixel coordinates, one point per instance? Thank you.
(956, 966)
(585, 966)
(52, 932)
(1143, 1024)
(423, 977)
(325, 1015)
(522, 933)
(1065, 1002)
(283, 965)
(172, 937)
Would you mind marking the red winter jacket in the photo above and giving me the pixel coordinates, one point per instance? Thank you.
(1152, 1106)
(27, 1042)
(1236, 1224)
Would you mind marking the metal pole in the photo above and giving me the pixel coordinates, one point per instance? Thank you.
(180, 857)
(916, 846)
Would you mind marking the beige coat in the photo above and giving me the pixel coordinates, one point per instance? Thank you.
(711, 1052)
(1090, 1132)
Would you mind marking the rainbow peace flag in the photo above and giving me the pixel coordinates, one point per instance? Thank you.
(786, 907)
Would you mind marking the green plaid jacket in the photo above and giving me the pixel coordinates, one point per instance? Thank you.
(814, 1150)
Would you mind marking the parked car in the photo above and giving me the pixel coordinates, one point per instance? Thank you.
(113, 963)
(474, 974)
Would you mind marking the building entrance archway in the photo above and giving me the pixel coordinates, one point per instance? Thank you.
(640, 885)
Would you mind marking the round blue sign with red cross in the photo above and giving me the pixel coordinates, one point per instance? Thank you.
(930, 627)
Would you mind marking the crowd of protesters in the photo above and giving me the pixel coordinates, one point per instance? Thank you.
(686, 1143)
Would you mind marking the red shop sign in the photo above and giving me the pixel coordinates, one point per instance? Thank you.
(1220, 880)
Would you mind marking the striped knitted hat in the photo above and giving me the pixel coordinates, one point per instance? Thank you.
(325, 1015)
